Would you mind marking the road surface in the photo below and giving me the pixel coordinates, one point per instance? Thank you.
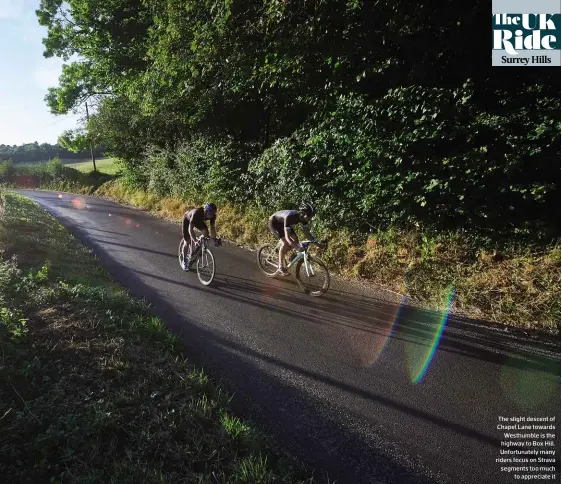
(354, 383)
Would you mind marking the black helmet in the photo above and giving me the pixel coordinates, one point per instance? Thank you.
(210, 207)
(307, 209)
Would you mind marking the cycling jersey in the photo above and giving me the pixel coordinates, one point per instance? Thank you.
(195, 217)
(285, 219)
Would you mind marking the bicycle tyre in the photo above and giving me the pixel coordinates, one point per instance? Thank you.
(267, 270)
(180, 252)
(199, 265)
(324, 269)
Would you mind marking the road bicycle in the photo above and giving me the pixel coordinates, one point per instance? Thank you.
(202, 257)
(311, 273)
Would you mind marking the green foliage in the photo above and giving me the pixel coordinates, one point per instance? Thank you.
(120, 125)
(386, 115)
(108, 35)
(195, 170)
(56, 168)
(6, 169)
(75, 141)
(77, 83)
(94, 388)
(405, 160)
(12, 321)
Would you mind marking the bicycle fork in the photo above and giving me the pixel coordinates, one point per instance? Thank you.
(307, 266)
(204, 258)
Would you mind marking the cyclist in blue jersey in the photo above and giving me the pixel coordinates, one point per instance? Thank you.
(281, 225)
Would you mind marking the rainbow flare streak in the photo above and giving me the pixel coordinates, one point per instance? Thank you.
(419, 374)
(387, 337)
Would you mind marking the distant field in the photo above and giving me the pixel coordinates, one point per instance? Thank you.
(105, 165)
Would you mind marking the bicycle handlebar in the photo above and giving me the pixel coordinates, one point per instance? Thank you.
(322, 243)
(202, 237)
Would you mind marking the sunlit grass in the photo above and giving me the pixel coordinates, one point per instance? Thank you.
(518, 287)
(103, 165)
(95, 389)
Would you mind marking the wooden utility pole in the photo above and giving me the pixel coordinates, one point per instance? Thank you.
(91, 145)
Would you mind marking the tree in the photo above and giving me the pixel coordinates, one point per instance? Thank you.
(80, 139)
(374, 104)
(74, 140)
(43, 152)
(107, 35)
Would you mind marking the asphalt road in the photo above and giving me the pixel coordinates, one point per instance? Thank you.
(338, 380)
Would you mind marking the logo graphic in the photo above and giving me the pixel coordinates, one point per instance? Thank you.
(526, 33)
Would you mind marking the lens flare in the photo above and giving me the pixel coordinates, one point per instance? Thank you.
(138, 225)
(110, 215)
(385, 338)
(420, 356)
(128, 221)
(78, 203)
(60, 195)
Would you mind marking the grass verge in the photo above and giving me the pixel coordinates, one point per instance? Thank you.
(94, 389)
(518, 287)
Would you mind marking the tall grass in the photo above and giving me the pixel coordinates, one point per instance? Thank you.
(95, 389)
(518, 286)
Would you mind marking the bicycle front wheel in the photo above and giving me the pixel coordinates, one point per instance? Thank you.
(206, 267)
(268, 260)
(313, 276)
(180, 252)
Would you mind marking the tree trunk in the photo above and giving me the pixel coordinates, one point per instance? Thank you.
(91, 145)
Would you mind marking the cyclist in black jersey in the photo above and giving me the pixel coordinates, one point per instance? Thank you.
(281, 225)
(196, 219)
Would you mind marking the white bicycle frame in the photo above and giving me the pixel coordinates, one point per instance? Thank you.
(300, 255)
(201, 245)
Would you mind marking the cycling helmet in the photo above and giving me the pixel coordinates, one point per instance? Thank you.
(210, 207)
(307, 209)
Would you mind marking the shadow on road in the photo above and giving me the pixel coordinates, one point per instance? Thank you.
(377, 317)
(305, 424)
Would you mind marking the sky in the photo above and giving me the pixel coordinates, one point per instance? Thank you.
(25, 76)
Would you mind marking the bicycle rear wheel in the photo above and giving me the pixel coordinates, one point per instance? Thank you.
(206, 267)
(268, 259)
(314, 279)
